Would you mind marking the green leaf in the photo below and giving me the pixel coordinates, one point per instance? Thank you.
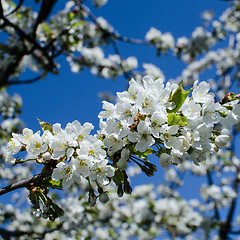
(126, 187)
(118, 178)
(151, 166)
(45, 126)
(143, 155)
(120, 191)
(175, 119)
(45, 27)
(178, 97)
(33, 197)
(54, 211)
(55, 184)
(149, 172)
(77, 24)
(71, 16)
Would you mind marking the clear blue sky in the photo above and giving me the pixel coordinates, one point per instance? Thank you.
(69, 96)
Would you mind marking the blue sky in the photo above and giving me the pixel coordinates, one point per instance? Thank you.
(67, 97)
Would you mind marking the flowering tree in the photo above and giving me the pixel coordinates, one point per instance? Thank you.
(184, 128)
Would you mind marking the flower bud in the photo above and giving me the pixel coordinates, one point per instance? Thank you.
(103, 198)
(37, 212)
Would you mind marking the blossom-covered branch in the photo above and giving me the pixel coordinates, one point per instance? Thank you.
(149, 118)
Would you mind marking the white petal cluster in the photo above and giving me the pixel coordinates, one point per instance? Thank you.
(77, 153)
(163, 41)
(144, 116)
(99, 3)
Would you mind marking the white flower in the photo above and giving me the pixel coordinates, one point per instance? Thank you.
(229, 120)
(101, 172)
(209, 112)
(152, 34)
(79, 132)
(146, 102)
(25, 136)
(93, 55)
(167, 41)
(134, 88)
(104, 24)
(92, 150)
(81, 166)
(65, 173)
(13, 146)
(236, 109)
(142, 137)
(35, 145)
(191, 109)
(125, 110)
(153, 71)
(168, 133)
(122, 162)
(223, 139)
(116, 127)
(109, 110)
(165, 160)
(130, 63)
(201, 137)
(100, 3)
(113, 143)
(200, 92)
(59, 145)
(157, 120)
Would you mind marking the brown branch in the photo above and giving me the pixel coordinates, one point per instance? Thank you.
(29, 38)
(26, 182)
(210, 183)
(43, 14)
(225, 227)
(117, 51)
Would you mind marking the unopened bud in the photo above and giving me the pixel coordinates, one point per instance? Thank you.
(103, 198)
(37, 213)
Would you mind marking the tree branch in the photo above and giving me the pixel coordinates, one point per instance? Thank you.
(225, 227)
(26, 182)
(117, 51)
(210, 183)
(43, 14)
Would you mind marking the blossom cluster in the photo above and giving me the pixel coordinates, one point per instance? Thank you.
(83, 152)
(179, 126)
(149, 118)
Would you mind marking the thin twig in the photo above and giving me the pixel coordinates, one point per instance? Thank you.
(24, 81)
(16, 8)
(210, 183)
(226, 226)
